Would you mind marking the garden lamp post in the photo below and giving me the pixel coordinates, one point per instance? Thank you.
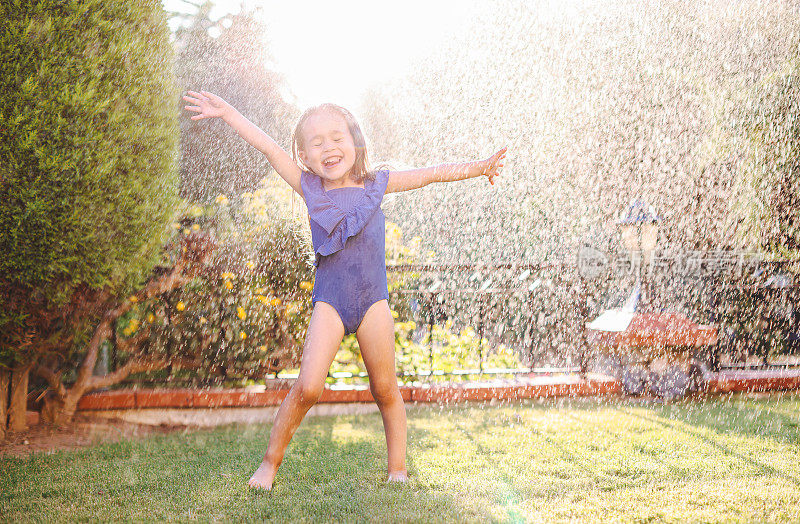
(639, 230)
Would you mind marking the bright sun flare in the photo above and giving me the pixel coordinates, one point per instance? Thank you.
(332, 52)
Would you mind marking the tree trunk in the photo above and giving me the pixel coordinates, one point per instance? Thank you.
(61, 403)
(59, 412)
(5, 381)
(18, 405)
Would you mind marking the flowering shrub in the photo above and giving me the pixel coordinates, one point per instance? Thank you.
(246, 314)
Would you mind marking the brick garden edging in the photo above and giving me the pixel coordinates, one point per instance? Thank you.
(539, 387)
(222, 398)
(760, 380)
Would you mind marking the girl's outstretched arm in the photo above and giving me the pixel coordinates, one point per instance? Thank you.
(209, 105)
(415, 178)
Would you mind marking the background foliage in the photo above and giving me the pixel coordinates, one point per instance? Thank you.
(88, 157)
(228, 56)
(246, 314)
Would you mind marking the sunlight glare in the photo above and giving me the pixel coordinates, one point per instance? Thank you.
(332, 52)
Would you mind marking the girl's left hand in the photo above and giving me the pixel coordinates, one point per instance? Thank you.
(494, 164)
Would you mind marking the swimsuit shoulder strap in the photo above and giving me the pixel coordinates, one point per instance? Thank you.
(380, 182)
(321, 209)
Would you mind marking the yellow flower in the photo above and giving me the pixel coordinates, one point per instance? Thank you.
(264, 300)
(228, 275)
(151, 317)
(250, 264)
(275, 302)
(242, 335)
(259, 290)
(197, 211)
(133, 298)
(195, 227)
(240, 312)
(394, 314)
(186, 231)
(263, 349)
(176, 225)
(180, 306)
(203, 320)
(292, 308)
(133, 325)
(222, 199)
(306, 285)
(228, 284)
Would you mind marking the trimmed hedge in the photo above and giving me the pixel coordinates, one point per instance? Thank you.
(88, 144)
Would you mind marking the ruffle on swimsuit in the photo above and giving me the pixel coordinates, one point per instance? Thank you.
(340, 225)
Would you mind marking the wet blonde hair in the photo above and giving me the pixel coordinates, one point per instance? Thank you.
(361, 168)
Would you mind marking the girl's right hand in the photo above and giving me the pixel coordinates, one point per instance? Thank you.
(207, 104)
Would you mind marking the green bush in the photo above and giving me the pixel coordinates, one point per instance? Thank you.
(766, 196)
(451, 351)
(246, 314)
(88, 171)
(88, 142)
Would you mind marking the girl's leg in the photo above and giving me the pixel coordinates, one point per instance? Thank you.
(323, 337)
(375, 338)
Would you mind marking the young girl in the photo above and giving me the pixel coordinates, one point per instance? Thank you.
(350, 294)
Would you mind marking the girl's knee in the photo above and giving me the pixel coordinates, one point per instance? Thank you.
(308, 394)
(385, 392)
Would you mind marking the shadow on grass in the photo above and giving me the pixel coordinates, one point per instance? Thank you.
(586, 464)
(334, 470)
(776, 417)
(512, 497)
(689, 418)
(765, 418)
(612, 483)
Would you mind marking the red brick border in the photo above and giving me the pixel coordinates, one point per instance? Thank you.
(741, 382)
(224, 398)
(445, 394)
(123, 399)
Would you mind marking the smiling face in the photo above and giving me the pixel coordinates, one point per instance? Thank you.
(327, 146)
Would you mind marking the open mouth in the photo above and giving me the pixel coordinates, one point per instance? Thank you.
(332, 161)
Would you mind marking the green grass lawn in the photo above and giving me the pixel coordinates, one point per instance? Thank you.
(728, 459)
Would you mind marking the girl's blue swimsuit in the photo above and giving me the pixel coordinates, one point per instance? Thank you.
(348, 235)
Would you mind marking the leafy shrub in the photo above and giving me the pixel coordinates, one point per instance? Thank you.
(246, 314)
(88, 142)
(88, 171)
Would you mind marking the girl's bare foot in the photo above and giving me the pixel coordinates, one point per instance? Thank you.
(398, 476)
(263, 477)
